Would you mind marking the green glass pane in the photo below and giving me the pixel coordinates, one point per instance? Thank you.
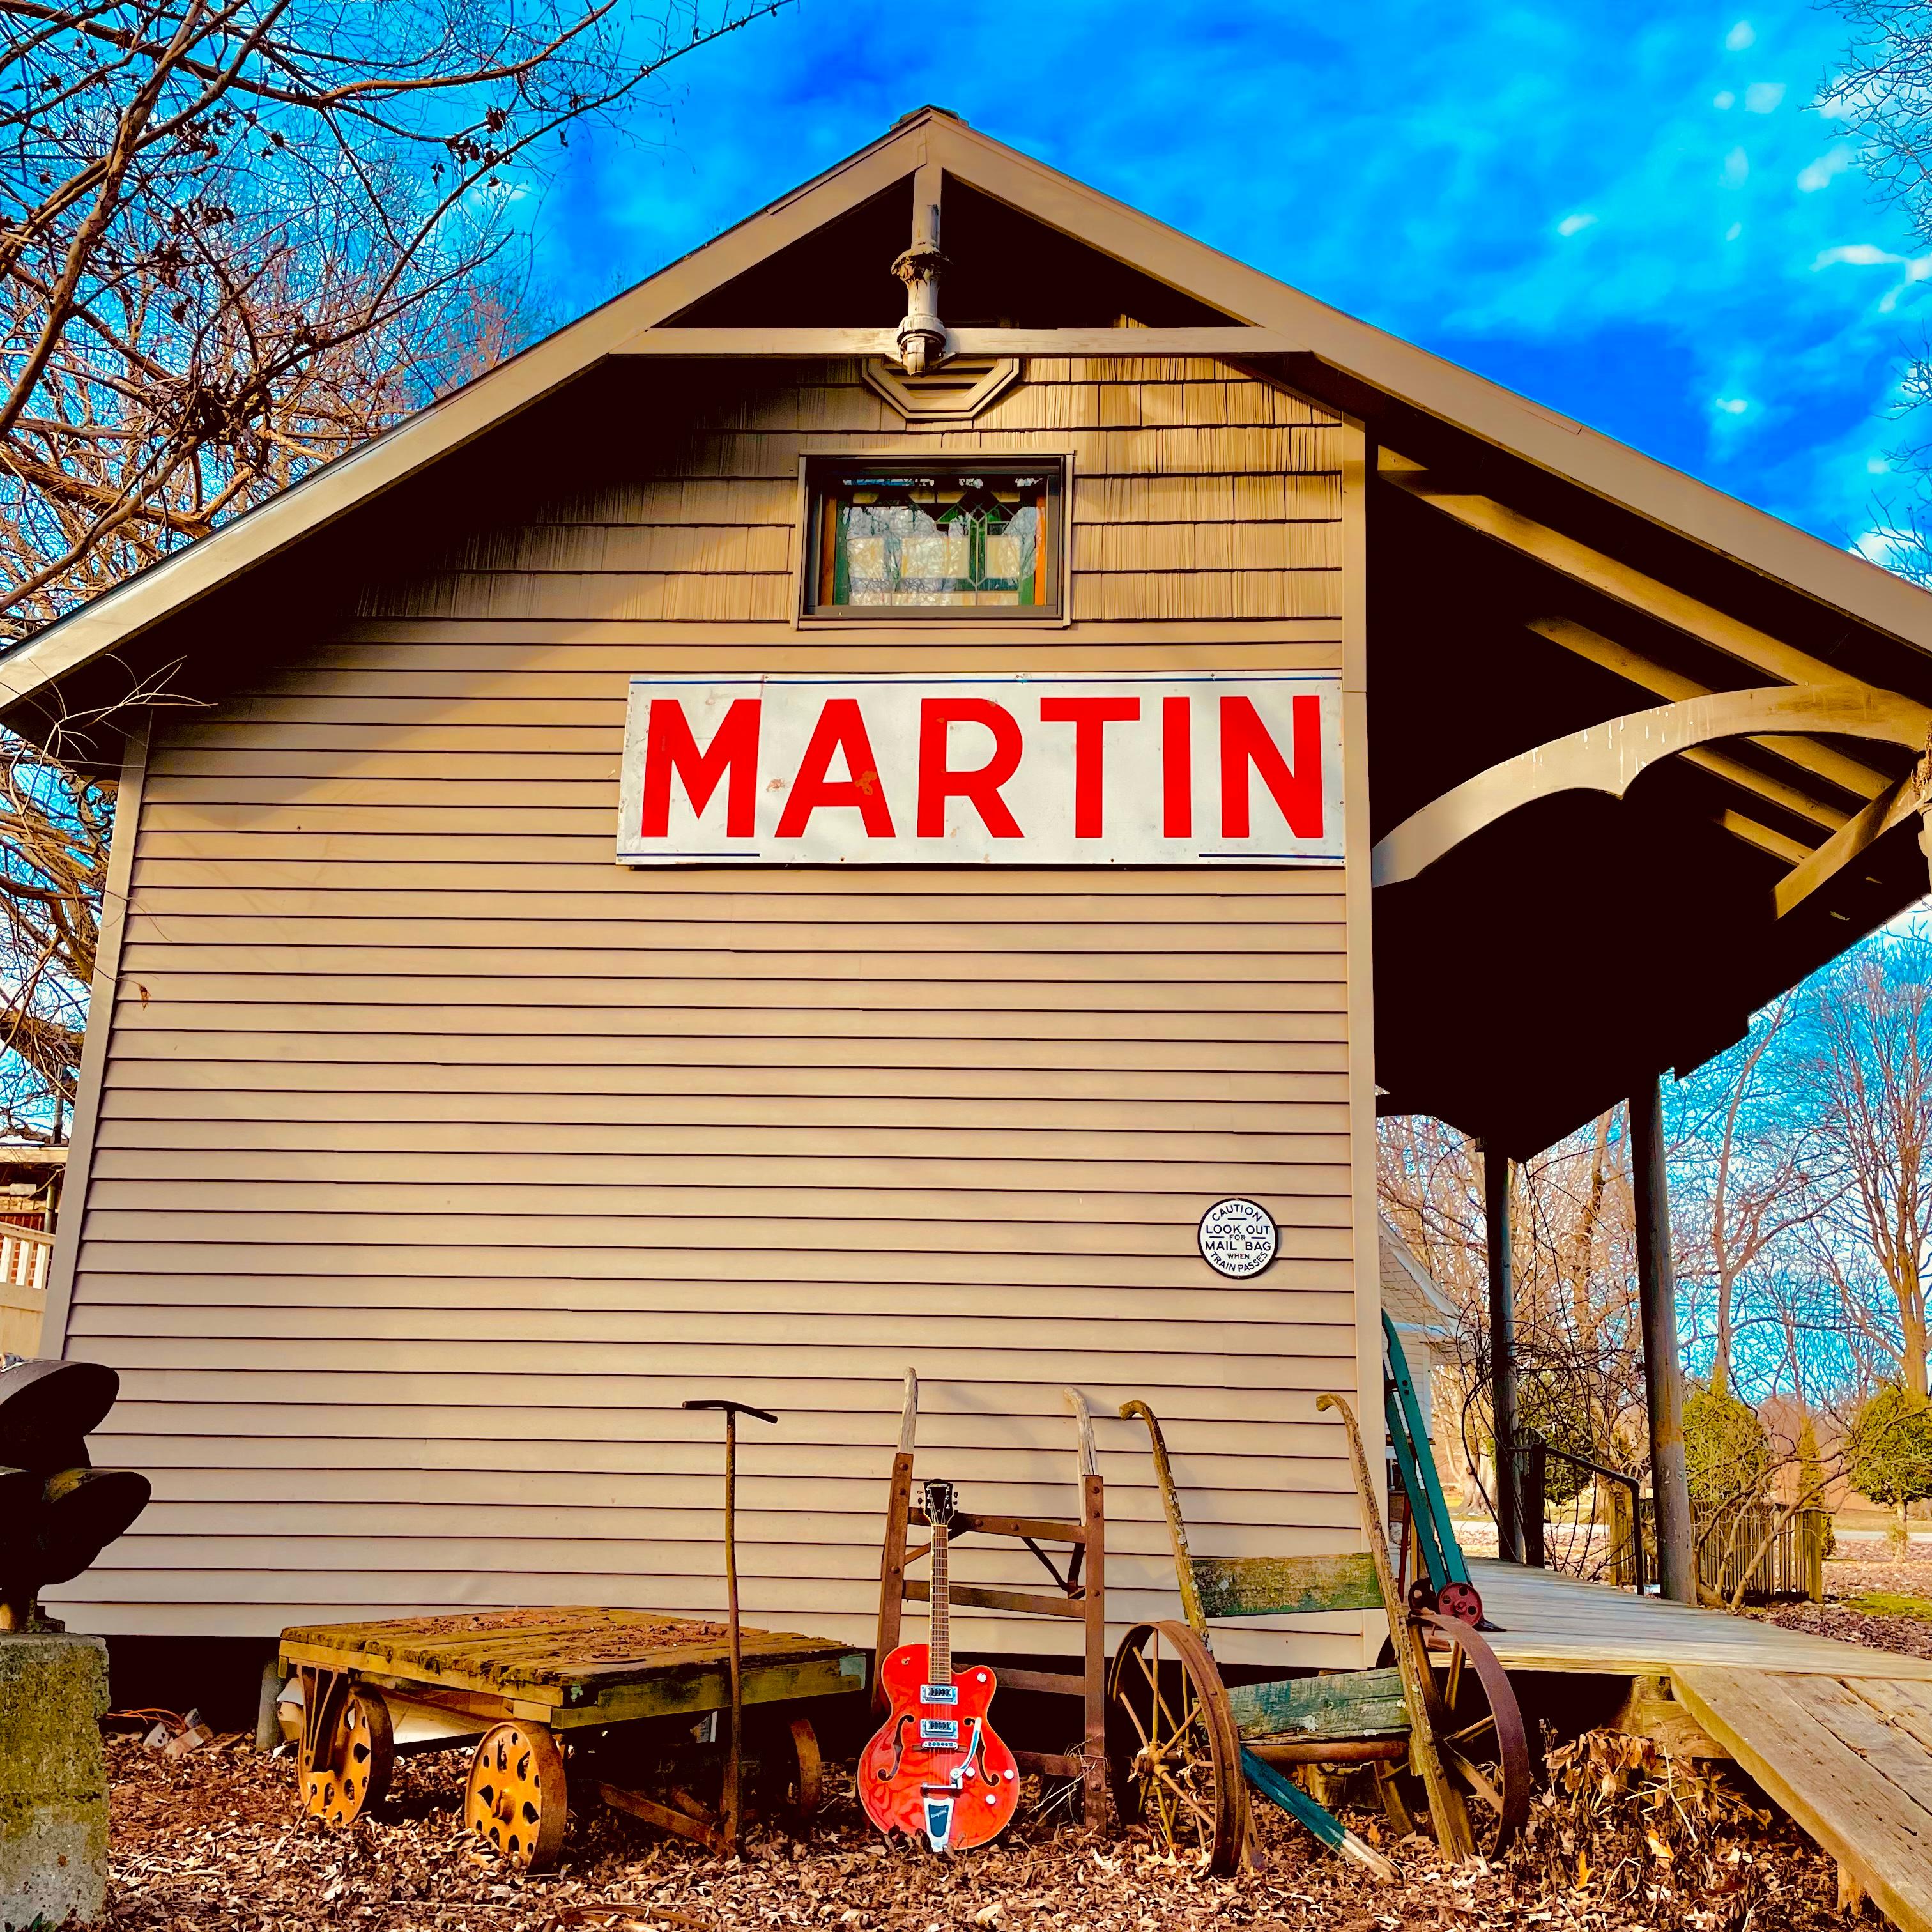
(908, 539)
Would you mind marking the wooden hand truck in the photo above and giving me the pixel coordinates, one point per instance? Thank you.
(1081, 1596)
(1431, 1535)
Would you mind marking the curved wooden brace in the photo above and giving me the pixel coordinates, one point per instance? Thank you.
(1608, 756)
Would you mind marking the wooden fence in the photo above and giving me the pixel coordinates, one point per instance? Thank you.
(1606, 1531)
(1791, 1563)
(24, 1254)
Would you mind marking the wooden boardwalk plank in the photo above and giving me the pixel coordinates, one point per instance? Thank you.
(1551, 1622)
(1853, 1811)
(1907, 1706)
(1893, 1754)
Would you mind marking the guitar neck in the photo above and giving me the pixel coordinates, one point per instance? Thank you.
(939, 1646)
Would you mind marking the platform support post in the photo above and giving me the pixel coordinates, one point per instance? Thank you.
(1664, 1375)
(1502, 1352)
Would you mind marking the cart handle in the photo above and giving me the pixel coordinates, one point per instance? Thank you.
(1083, 1418)
(1177, 1525)
(734, 1409)
(909, 1413)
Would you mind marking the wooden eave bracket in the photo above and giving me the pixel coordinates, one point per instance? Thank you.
(1608, 757)
(1758, 650)
(1887, 802)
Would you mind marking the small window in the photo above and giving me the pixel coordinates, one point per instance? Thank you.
(890, 539)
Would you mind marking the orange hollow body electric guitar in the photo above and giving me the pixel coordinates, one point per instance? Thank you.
(936, 1771)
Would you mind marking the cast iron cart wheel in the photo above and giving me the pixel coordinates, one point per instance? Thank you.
(1172, 1749)
(1479, 1729)
(516, 1800)
(806, 1774)
(785, 1769)
(349, 1772)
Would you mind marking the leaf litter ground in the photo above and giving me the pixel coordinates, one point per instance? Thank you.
(1618, 1840)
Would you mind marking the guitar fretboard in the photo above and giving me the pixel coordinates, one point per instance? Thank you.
(939, 1638)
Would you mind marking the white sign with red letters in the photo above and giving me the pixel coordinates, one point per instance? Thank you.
(1195, 768)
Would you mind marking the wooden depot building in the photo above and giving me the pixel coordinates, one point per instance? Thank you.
(817, 820)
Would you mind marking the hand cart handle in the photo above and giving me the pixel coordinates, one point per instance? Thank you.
(734, 1408)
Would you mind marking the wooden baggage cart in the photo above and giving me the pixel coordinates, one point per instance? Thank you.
(1185, 1748)
(625, 1689)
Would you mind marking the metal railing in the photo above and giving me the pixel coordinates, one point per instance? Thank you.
(1600, 1529)
(1600, 1526)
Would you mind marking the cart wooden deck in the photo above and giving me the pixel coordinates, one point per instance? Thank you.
(568, 1666)
(513, 1682)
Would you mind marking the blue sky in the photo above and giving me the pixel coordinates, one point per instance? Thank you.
(1629, 212)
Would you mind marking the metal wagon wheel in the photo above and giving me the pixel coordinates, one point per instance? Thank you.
(1172, 1748)
(1479, 1729)
(347, 1755)
(791, 1769)
(517, 1802)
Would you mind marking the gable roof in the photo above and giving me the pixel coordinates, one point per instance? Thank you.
(1344, 358)
(1410, 1293)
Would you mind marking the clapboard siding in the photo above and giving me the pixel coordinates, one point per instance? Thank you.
(1197, 496)
(437, 1159)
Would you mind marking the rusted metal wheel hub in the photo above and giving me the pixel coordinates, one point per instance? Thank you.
(517, 1802)
(349, 1771)
(1171, 1748)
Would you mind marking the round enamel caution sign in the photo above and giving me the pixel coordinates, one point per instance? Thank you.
(1238, 1238)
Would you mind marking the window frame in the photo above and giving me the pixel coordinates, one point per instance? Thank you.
(816, 467)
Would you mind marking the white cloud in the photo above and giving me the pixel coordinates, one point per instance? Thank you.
(1732, 233)
(1731, 406)
(1824, 170)
(1865, 255)
(1876, 465)
(1737, 168)
(1854, 255)
(1575, 224)
(1743, 35)
(1725, 99)
(1915, 271)
(1762, 97)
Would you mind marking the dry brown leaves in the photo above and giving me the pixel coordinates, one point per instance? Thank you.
(218, 1840)
(1904, 1635)
(1691, 1842)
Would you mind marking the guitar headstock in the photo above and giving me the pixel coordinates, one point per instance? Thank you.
(942, 1504)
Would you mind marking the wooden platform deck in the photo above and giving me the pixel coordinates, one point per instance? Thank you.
(1841, 1736)
(574, 1666)
(1556, 1623)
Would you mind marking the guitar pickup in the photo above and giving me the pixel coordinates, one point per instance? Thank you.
(939, 1731)
(939, 1694)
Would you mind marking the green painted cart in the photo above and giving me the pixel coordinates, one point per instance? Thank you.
(628, 1693)
(1185, 1748)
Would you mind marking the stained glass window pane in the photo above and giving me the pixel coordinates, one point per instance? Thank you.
(889, 539)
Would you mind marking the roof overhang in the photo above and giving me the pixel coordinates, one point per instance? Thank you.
(1363, 369)
(1528, 579)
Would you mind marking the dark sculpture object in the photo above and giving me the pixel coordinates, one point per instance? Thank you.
(57, 1511)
